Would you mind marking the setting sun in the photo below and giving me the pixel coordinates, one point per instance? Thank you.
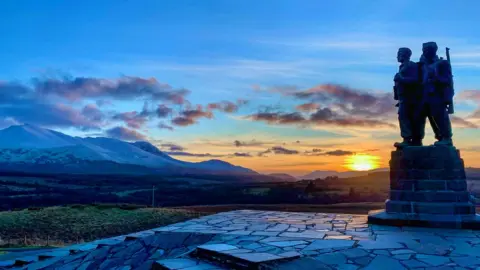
(361, 162)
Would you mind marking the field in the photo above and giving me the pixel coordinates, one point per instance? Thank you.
(24, 191)
(57, 226)
(345, 208)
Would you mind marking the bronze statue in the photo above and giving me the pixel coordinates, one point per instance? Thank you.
(424, 90)
(438, 93)
(408, 92)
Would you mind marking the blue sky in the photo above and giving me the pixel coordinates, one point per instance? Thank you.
(230, 50)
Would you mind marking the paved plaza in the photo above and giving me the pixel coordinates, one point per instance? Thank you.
(247, 239)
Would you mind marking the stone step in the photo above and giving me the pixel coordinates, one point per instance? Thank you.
(422, 152)
(185, 264)
(238, 258)
(431, 174)
(462, 208)
(425, 185)
(430, 196)
(427, 164)
(471, 222)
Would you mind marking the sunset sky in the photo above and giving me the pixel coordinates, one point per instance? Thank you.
(275, 86)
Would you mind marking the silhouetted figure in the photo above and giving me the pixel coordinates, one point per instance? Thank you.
(438, 93)
(408, 92)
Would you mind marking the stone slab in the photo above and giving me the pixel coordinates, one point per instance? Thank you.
(380, 217)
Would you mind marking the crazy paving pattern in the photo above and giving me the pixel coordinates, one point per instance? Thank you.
(248, 239)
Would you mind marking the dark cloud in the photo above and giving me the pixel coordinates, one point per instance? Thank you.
(92, 112)
(125, 88)
(188, 154)
(12, 92)
(135, 119)
(462, 123)
(183, 121)
(307, 107)
(38, 103)
(238, 143)
(20, 104)
(48, 115)
(123, 133)
(172, 147)
(279, 150)
(165, 126)
(278, 117)
(349, 100)
(163, 111)
(323, 116)
(132, 119)
(326, 116)
(239, 154)
(227, 106)
(190, 116)
(339, 153)
(314, 152)
(342, 106)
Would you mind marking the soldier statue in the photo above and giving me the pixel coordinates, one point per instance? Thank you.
(408, 92)
(437, 100)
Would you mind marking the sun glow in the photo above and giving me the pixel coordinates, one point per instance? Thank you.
(361, 162)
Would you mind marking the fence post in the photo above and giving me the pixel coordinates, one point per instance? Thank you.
(25, 239)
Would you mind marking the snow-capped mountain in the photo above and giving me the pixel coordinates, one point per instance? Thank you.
(31, 145)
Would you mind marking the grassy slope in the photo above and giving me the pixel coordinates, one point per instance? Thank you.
(66, 225)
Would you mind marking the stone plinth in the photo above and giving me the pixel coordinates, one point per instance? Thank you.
(428, 188)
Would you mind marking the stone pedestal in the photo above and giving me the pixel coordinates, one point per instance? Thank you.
(427, 188)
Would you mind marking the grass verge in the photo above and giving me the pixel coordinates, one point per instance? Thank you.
(58, 226)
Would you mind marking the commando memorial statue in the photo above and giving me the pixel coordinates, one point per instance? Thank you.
(428, 184)
(424, 90)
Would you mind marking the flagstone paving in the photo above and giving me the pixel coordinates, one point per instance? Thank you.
(271, 240)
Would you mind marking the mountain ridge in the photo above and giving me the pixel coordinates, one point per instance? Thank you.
(28, 144)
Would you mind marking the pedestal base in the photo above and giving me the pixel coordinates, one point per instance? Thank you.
(380, 217)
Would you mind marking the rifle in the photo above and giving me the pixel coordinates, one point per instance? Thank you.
(450, 108)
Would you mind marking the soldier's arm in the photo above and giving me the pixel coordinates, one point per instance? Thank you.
(410, 72)
(444, 72)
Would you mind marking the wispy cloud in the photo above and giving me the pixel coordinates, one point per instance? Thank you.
(124, 133)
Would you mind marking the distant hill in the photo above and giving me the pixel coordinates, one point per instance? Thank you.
(284, 176)
(347, 174)
(472, 173)
(35, 149)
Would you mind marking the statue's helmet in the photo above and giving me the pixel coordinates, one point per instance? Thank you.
(431, 45)
(405, 51)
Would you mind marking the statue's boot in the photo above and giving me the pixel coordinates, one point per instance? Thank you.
(405, 143)
(444, 142)
(416, 143)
